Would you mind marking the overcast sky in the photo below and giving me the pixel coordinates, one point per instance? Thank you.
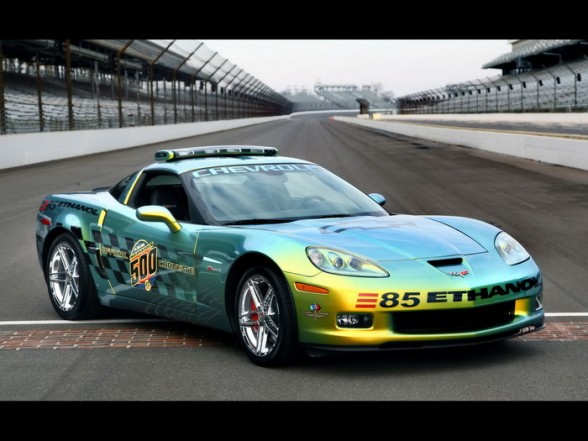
(400, 66)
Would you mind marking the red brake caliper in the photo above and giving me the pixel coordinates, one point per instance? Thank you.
(254, 315)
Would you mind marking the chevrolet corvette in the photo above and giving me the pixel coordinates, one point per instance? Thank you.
(285, 255)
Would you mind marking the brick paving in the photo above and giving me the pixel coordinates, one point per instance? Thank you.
(560, 331)
(174, 337)
(109, 338)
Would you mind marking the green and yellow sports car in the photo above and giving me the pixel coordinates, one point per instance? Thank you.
(285, 255)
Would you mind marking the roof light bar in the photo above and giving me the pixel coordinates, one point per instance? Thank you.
(210, 151)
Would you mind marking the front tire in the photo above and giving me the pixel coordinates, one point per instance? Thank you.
(69, 282)
(266, 324)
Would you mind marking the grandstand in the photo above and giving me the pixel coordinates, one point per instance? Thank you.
(537, 76)
(49, 85)
(53, 85)
(347, 96)
(336, 97)
(305, 101)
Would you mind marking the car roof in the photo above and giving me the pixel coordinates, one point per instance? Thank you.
(217, 156)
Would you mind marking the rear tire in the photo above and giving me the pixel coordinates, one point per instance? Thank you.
(265, 319)
(69, 282)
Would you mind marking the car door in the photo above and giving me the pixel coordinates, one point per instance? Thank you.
(145, 261)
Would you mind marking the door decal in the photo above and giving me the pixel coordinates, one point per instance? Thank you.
(143, 264)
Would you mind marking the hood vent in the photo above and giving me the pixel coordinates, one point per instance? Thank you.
(446, 262)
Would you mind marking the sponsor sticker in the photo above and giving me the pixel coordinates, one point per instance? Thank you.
(143, 264)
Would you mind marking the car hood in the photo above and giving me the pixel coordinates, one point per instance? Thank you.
(384, 238)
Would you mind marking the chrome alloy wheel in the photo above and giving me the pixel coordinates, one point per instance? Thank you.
(64, 277)
(258, 315)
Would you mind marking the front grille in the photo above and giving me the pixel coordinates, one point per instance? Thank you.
(453, 320)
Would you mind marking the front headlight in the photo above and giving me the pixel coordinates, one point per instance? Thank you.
(344, 264)
(509, 249)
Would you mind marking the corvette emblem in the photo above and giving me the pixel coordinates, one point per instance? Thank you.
(459, 273)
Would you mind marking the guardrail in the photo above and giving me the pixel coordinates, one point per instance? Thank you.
(32, 148)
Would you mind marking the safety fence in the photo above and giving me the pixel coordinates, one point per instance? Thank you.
(38, 97)
(26, 111)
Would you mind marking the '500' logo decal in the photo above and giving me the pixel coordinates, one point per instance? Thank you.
(412, 299)
(143, 264)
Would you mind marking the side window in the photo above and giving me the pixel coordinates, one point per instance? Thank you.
(118, 190)
(165, 190)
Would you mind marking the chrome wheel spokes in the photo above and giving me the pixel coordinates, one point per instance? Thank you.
(64, 277)
(259, 315)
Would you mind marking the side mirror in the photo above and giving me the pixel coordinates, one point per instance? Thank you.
(381, 200)
(157, 213)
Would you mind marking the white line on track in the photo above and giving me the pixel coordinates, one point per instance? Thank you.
(123, 321)
(566, 314)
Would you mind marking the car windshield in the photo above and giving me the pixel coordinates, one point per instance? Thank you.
(277, 192)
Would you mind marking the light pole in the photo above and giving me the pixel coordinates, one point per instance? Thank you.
(174, 88)
(151, 64)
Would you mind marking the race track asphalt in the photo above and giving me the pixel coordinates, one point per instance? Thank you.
(544, 206)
